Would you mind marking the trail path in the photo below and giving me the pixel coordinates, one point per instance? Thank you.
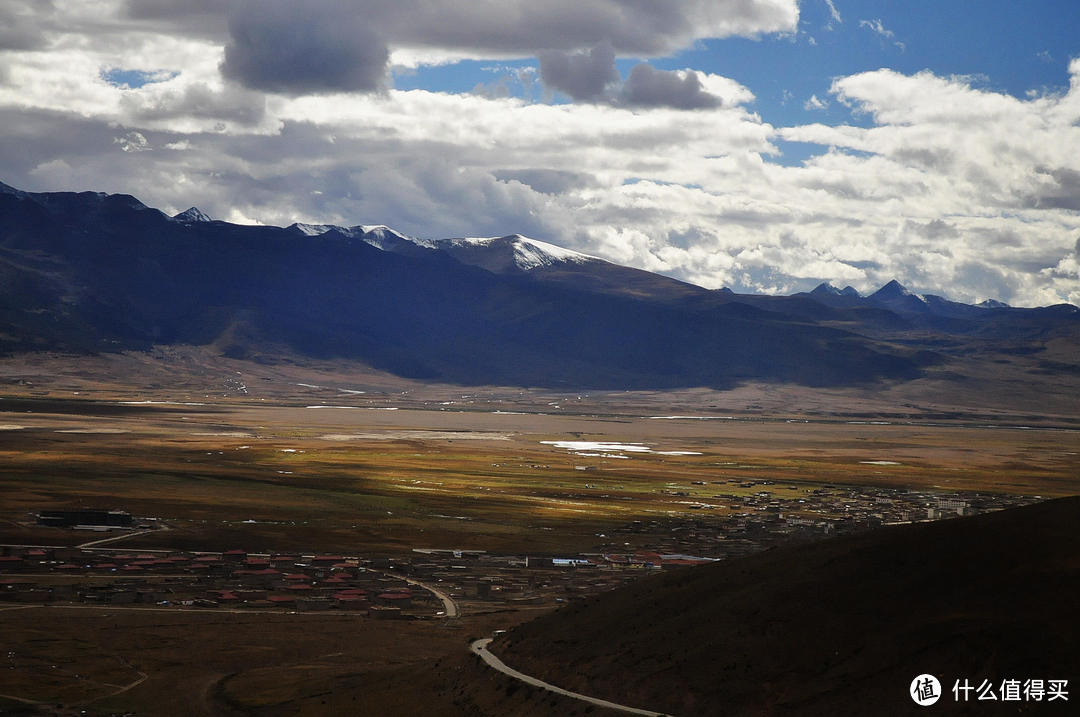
(479, 647)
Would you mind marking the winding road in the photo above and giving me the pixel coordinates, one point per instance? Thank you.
(479, 647)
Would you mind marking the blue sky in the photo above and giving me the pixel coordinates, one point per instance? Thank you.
(1003, 45)
(762, 145)
(1019, 48)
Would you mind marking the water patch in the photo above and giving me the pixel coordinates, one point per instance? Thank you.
(418, 435)
(359, 408)
(93, 430)
(161, 403)
(691, 418)
(606, 448)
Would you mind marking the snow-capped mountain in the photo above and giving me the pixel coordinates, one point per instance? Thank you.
(511, 253)
(95, 272)
(192, 214)
(497, 254)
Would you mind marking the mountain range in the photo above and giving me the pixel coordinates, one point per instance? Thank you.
(95, 272)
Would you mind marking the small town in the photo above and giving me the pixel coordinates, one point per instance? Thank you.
(438, 583)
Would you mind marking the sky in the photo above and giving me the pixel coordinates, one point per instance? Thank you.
(761, 145)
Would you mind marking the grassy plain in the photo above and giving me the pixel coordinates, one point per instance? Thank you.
(231, 455)
(266, 477)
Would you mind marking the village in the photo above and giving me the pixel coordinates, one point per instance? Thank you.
(439, 583)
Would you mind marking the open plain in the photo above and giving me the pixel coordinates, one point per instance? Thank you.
(272, 460)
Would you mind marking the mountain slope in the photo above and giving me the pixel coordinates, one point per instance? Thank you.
(837, 627)
(95, 272)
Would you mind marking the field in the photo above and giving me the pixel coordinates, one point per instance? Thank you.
(264, 477)
(301, 458)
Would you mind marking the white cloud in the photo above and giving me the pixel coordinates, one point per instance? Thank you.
(953, 189)
(815, 104)
(833, 12)
(876, 27)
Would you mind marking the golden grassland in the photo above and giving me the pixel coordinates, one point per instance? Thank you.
(450, 468)
(387, 481)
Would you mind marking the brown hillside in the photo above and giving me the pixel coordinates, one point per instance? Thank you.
(836, 627)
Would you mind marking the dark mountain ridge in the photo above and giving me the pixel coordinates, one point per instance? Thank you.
(95, 272)
(836, 627)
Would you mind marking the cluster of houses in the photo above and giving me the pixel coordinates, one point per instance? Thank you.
(755, 514)
(377, 587)
(230, 579)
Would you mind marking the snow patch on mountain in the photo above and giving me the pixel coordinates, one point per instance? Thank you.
(191, 215)
(528, 253)
(314, 230)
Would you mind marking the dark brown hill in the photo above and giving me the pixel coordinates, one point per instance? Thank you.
(838, 627)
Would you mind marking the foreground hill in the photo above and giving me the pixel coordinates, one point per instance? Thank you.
(836, 627)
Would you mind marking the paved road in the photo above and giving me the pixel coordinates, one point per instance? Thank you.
(113, 539)
(449, 605)
(479, 647)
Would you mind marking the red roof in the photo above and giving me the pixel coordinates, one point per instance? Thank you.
(281, 598)
(10, 559)
(295, 576)
(298, 587)
(265, 571)
(395, 596)
(67, 566)
(208, 559)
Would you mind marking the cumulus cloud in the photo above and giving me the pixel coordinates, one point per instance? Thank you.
(591, 76)
(581, 75)
(433, 30)
(295, 47)
(948, 187)
(197, 101)
(647, 86)
(21, 24)
(133, 142)
(815, 104)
